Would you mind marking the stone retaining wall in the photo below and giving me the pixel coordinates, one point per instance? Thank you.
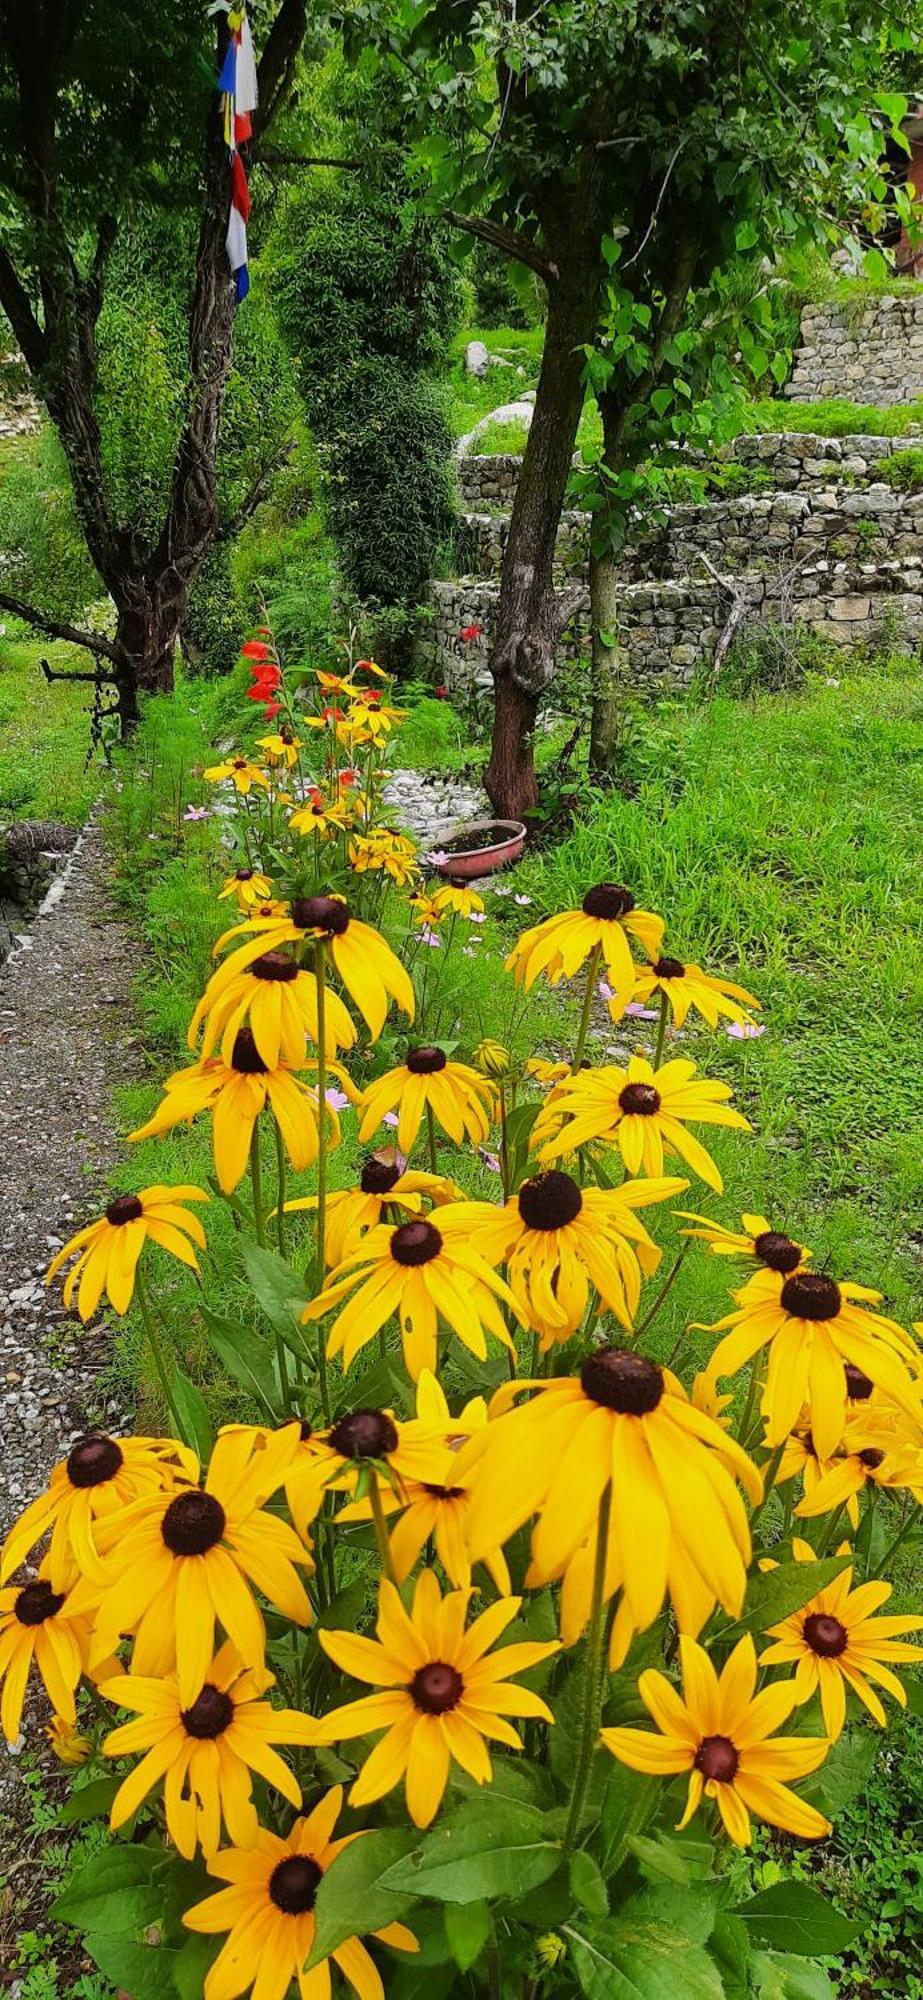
(864, 353)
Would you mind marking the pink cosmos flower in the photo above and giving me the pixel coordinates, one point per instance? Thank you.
(197, 812)
(745, 1031)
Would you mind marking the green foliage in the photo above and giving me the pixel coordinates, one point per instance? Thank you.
(834, 417)
(42, 550)
(44, 772)
(902, 469)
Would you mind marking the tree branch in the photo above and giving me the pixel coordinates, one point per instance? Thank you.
(18, 308)
(58, 628)
(273, 156)
(277, 62)
(657, 206)
(256, 494)
(98, 679)
(506, 240)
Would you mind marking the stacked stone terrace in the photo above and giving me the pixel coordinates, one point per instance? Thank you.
(807, 528)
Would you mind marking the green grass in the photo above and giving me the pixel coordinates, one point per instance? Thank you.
(44, 735)
(834, 418)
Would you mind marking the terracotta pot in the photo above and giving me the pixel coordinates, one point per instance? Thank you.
(465, 864)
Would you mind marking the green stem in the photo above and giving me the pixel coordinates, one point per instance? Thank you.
(830, 1531)
(594, 1674)
(431, 1140)
(381, 1529)
(756, 1374)
(769, 1471)
(256, 1183)
(280, 1191)
(504, 1145)
(153, 1341)
(654, 1308)
(592, 973)
(320, 970)
(901, 1536)
(661, 1029)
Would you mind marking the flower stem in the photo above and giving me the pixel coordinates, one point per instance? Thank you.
(769, 1471)
(901, 1536)
(667, 1285)
(661, 1029)
(381, 1529)
(594, 1666)
(591, 976)
(256, 1184)
(504, 1143)
(157, 1354)
(280, 1190)
(320, 971)
(431, 1140)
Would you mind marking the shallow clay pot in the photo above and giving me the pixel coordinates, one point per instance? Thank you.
(465, 864)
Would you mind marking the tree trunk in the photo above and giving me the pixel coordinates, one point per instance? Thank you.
(510, 781)
(147, 628)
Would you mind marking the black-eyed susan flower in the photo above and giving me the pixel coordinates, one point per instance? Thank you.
(110, 1248)
(601, 927)
(242, 772)
(46, 1626)
(339, 1459)
(66, 1743)
(235, 1093)
(800, 1460)
(723, 1733)
(424, 912)
(174, 1566)
(645, 1112)
(367, 966)
(249, 887)
(460, 1100)
(276, 998)
(267, 1910)
(455, 899)
(881, 1446)
(371, 720)
(812, 1325)
(420, 1272)
(384, 1182)
(281, 747)
(100, 1477)
(755, 1238)
(545, 1072)
(443, 1693)
(559, 1241)
(686, 986)
(677, 1521)
(205, 1751)
(382, 851)
(835, 1642)
(492, 1058)
(324, 818)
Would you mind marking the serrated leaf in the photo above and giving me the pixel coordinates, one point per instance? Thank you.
(90, 1801)
(780, 1592)
(629, 1801)
(356, 1882)
(484, 1850)
(660, 1857)
(798, 1978)
(619, 1960)
(587, 1885)
(247, 1359)
(467, 1929)
(115, 1891)
(846, 1770)
(798, 1918)
(278, 1289)
(193, 1413)
(143, 1970)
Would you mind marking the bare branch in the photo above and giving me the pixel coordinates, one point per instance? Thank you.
(273, 156)
(58, 628)
(506, 240)
(567, 603)
(256, 494)
(277, 63)
(98, 679)
(657, 206)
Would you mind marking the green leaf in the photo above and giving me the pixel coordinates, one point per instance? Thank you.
(353, 1895)
(143, 1970)
(664, 1857)
(777, 1593)
(629, 1801)
(115, 1891)
(485, 1849)
(587, 1885)
(729, 1945)
(247, 1359)
(467, 1928)
(794, 1915)
(193, 1413)
(279, 1291)
(846, 1770)
(773, 1976)
(90, 1801)
(621, 1960)
(191, 1964)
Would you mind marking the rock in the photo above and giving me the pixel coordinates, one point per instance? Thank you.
(477, 359)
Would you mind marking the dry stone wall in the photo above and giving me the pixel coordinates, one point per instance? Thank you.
(865, 353)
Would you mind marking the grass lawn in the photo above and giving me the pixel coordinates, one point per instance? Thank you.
(44, 735)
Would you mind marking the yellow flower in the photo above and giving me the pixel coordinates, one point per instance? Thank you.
(812, 1325)
(457, 900)
(719, 1732)
(243, 773)
(800, 1460)
(383, 1183)
(174, 1564)
(67, 1744)
(558, 1240)
(47, 1626)
(370, 719)
(367, 966)
(677, 1522)
(277, 999)
(838, 1643)
(606, 919)
(249, 886)
(424, 912)
(880, 1446)
(281, 747)
(110, 1248)
(686, 986)
(641, 1110)
(320, 817)
(235, 1093)
(205, 1750)
(492, 1058)
(755, 1238)
(382, 850)
(704, 1396)
(268, 1912)
(545, 1071)
(421, 1273)
(100, 1477)
(443, 1695)
(460, 1100)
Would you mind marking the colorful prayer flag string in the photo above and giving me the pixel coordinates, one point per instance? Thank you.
(237, 84)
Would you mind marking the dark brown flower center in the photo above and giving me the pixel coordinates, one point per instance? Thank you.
(36, 1602)
(443, 1492)
(622, 1381)
(274, 965)
(639, 1100)
(436, 1688)
(825, 1635)
(125, 1208)
(809, 1295)
(416, 1243)
(670, 968)
(305, 1432)
(193, 1523)
(211, 1713)
(364, 1434)
(549, 1201)
(717, 1758)
(777, 1251)
(294, 1883)
(320, 913)
(872, 1458)
(93, 1460)
(245, 1056)
(379, 1176)
(608, 900)
(859, 1386)
(244, 875)
(425, 1061)
(240, 763)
